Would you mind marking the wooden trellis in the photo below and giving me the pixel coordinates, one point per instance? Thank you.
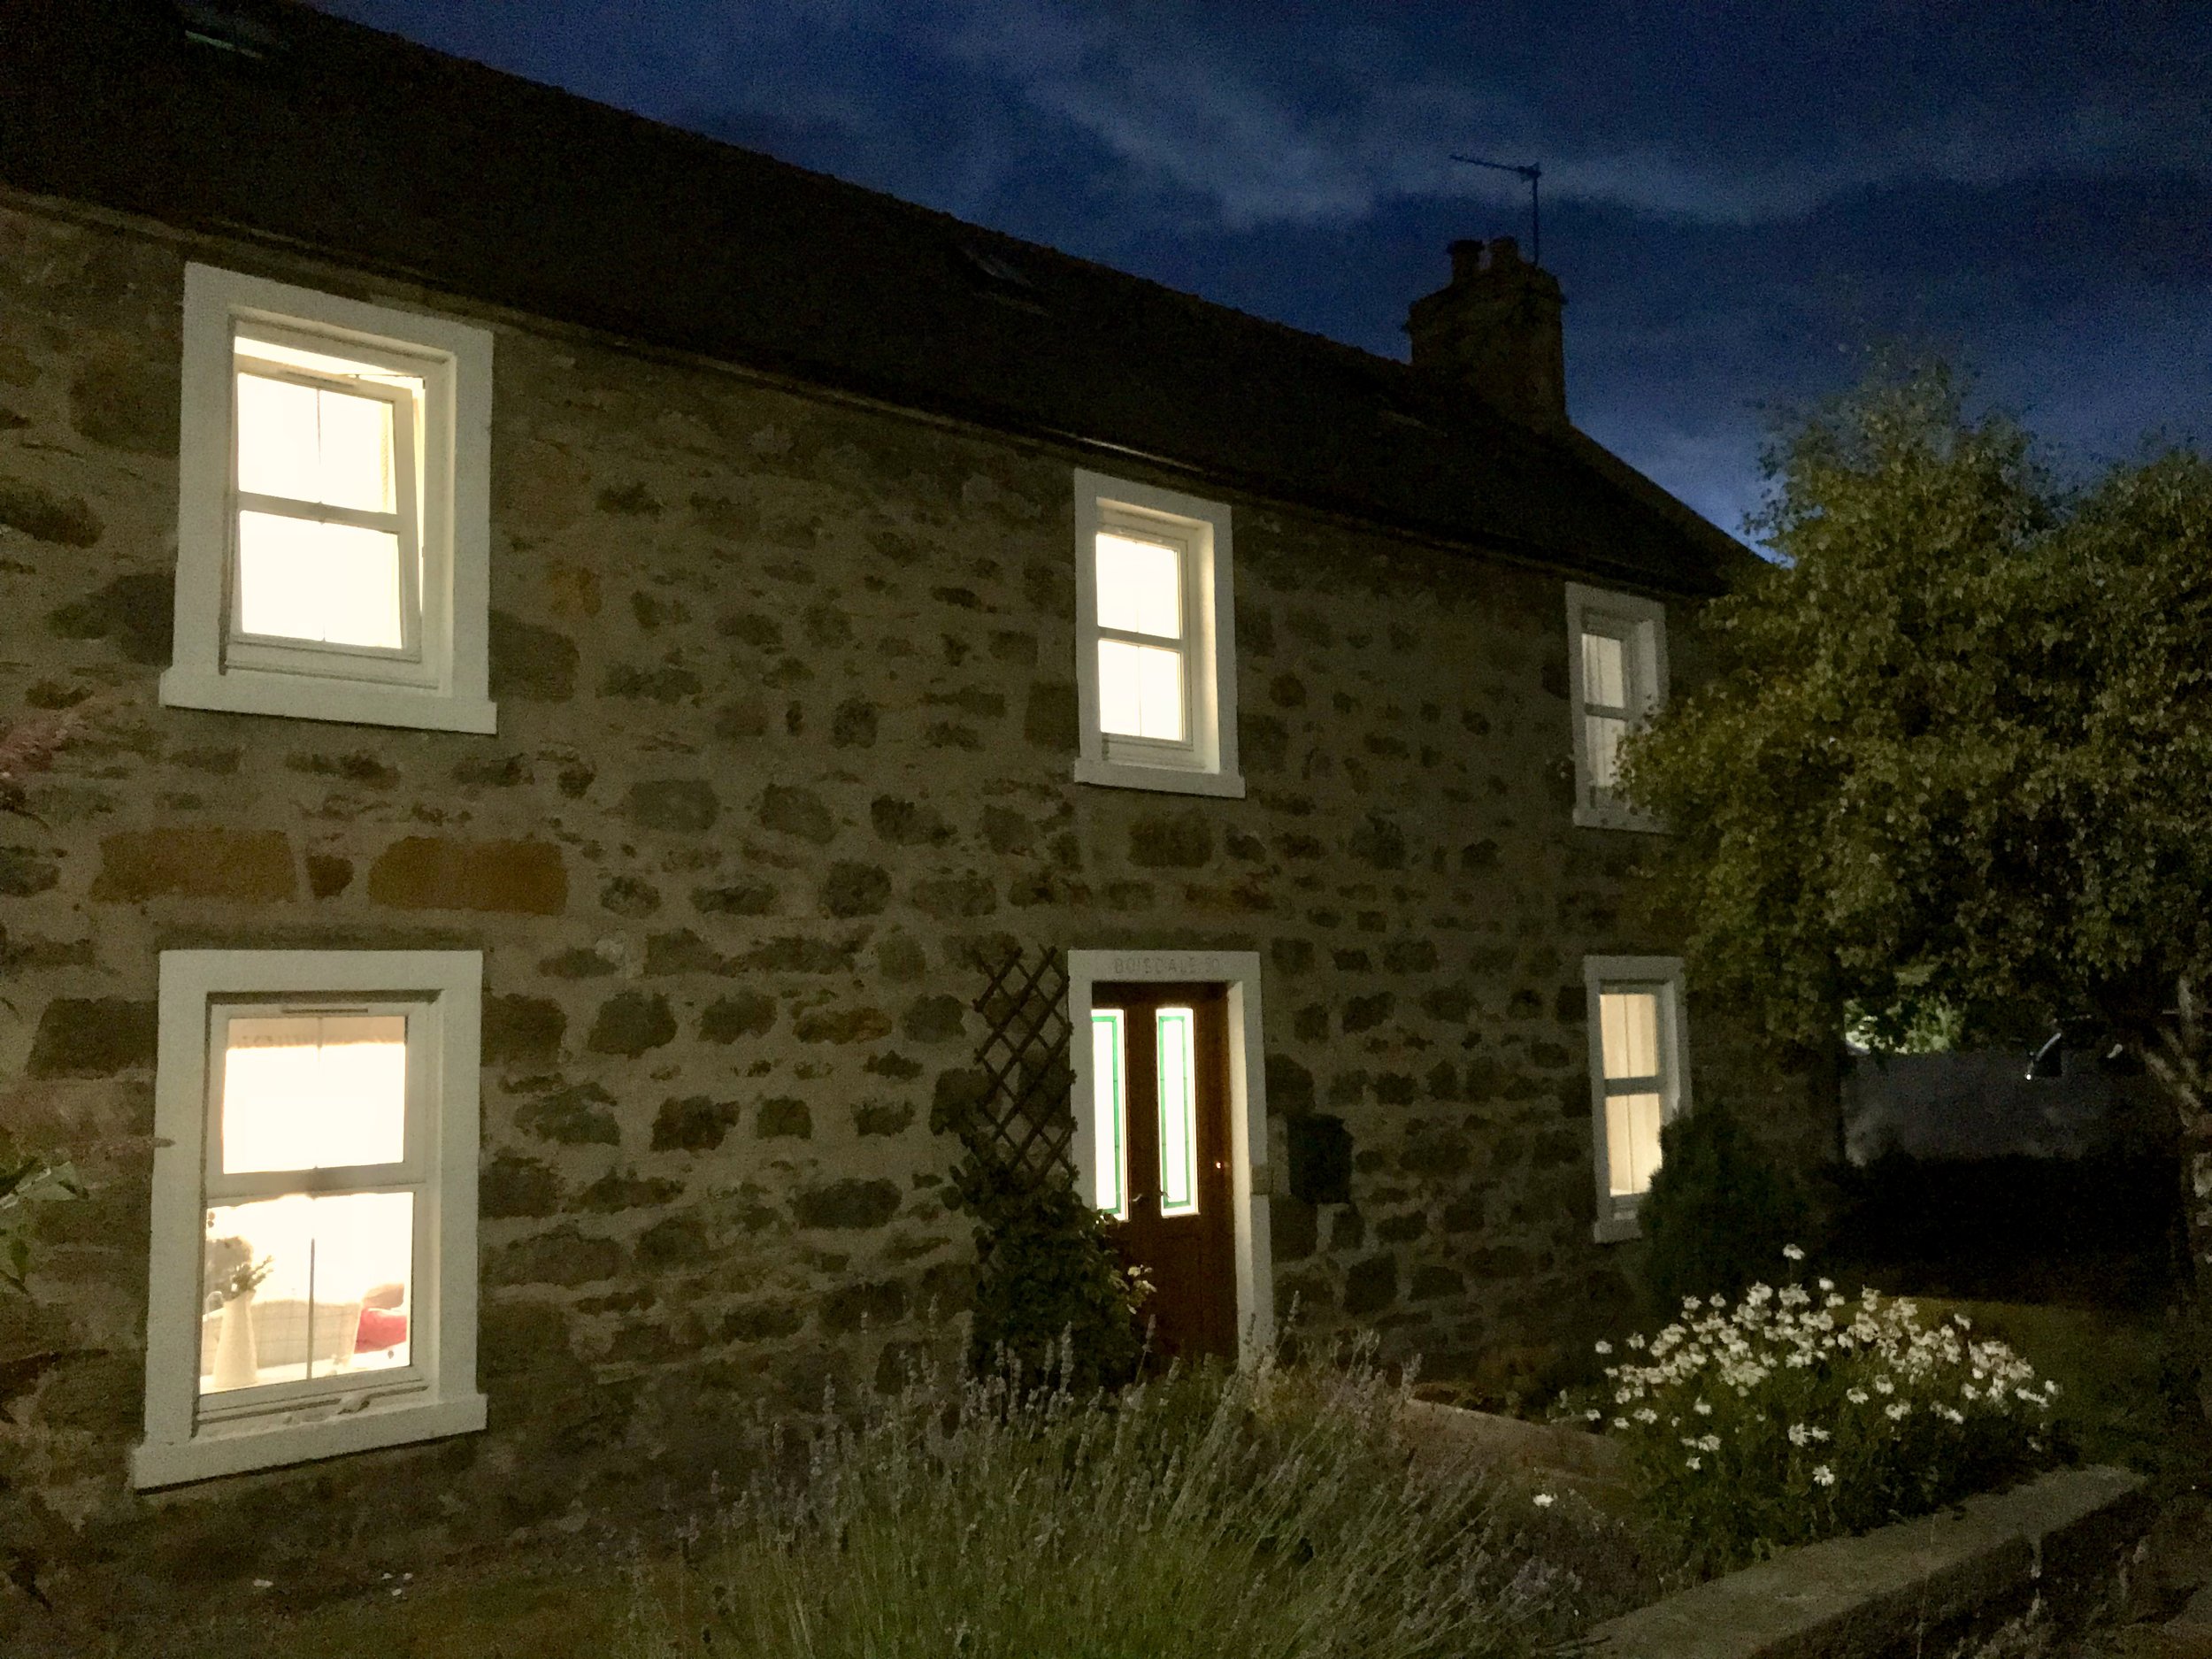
(1022, 1123)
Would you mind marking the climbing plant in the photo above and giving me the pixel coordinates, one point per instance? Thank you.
(1051, 1294)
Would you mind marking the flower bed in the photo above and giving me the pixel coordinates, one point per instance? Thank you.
(1799, 1415)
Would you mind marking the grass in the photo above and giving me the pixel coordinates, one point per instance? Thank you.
(2121, 1374)
(499, 1609)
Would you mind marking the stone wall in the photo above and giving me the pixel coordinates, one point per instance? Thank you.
(787, 717)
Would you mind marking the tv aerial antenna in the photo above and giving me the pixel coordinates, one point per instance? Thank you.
(1533, 172)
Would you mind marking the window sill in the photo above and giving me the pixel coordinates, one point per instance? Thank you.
(298, 696)
(206, 1456)
(1165, 780)
(1617, 1229)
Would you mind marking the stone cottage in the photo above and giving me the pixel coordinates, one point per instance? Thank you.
(590, 646)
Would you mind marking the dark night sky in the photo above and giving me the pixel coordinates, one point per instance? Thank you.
(1741, 199)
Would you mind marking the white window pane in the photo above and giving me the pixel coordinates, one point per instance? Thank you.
(1604, 670)
(1161, 674)
(1629, 1029)
(356, 451)
(334, 1292)
(1178, 1112)
(1110, 1107)
(1140, 691)
(313, 1092)
(277, 448)
(1140, 585)
(299, 580)
(1605, 735)
(1632, 1141)
(314, 444)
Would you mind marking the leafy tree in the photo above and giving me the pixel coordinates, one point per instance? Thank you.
(1954, 767)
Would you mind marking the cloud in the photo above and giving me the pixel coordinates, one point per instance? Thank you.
(1738, 198)
(1317, 122)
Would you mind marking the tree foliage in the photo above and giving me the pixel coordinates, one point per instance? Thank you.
(1951, 769)
(1952, 765)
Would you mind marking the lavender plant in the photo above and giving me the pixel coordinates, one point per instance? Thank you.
(1798, 1415)
(1270, 1514)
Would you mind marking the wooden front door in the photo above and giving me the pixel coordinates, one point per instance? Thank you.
(1160, 1058)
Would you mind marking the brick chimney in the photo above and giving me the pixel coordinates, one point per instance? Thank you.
(1495, 327)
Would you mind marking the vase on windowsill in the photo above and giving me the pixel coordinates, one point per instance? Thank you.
(236, 1364)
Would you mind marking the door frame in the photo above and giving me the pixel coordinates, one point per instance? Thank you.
(1248, 1172)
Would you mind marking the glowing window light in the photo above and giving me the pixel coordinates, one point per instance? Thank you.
(1108, 1109)
(336, 584)
(1140, 587)
(313, 1092)
(329, 1260)
(1632, 1141)
(326, 531)
(315, 443)
(1635, 1101)
(1629, 1032)
(1604, 670)
(1143, 662)
(1178, 1112)
(1140, 691)
(1606, 711)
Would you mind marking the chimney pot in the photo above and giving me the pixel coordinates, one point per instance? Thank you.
(1495, 328)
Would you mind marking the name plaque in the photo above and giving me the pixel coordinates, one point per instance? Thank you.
(1157, 965)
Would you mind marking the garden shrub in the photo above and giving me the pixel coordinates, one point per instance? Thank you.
(25, 1182)
(1800, 1415)
(1719, 1213)
(1272, 1513)
(1050, 1290)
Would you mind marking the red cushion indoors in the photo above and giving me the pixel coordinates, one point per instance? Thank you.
(380, 1328)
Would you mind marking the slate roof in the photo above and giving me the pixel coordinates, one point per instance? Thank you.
(308, 131)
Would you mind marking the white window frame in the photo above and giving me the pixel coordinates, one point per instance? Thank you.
(1207, 763)
(1249, 1178)
(1617, 1213)
(440, 680)
(436, 1394)
(1641, 624)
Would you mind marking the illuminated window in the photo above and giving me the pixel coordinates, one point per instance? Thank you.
(1143, 658)
(1617, 662)
(1109, 1109)
(331, 529)
(1178, 1111)
(313, 1282)
(1639, 1076)
(1157, 660)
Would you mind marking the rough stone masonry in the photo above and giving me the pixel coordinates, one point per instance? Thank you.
(786, 714)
